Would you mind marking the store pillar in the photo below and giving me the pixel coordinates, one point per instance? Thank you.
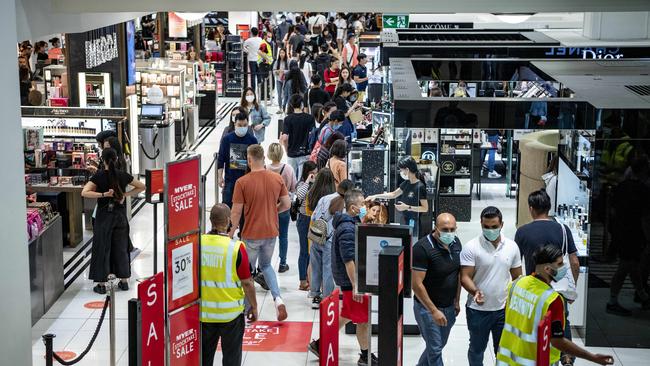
(15, 345)
(391, 305)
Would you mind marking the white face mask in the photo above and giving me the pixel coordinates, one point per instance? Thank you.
(250, 98)
(404, 175)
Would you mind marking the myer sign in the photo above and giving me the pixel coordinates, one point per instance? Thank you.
(586, 53)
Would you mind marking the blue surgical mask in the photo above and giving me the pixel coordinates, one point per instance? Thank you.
(491, 234)
(362, 212)
(560, 273)
(447, 238)
(241, 131)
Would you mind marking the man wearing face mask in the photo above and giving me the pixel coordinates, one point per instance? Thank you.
(436, 285)
(529, 298)
(488, 264)
(231, 162)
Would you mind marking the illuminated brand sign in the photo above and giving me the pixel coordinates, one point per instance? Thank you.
(586, 53)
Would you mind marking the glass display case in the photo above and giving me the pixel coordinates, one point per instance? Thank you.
(170, 80)
(95, 89)
(55, 86)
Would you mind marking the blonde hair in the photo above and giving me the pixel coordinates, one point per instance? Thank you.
(275, 152)
(256, 152)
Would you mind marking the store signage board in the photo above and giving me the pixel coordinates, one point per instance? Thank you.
(182, 194)
(152, 299)
(182, 271)
(441, 25)
(329, 330)
(394, 21)
(586, 53)
(184, 337)
(371, 239)
(177, 26)
(155, 185)
(112, 113)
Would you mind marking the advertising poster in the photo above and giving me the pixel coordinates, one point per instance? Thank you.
(130, 52)
(184, 331)
(177, 26)
(182, 271)
(152, 300)
(329, 330)
(183, 179)
(374, 245)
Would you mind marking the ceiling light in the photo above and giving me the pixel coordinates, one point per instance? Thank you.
(513, 18)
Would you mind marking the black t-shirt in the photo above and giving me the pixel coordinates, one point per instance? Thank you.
(537, 234)
(412, 193)
(101, 181)
(317, 95)
(298, 126)
(442, 268)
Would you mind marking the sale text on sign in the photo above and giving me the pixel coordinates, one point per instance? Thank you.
(183, 180)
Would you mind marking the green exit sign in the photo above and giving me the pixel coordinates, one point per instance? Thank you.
(395, 20)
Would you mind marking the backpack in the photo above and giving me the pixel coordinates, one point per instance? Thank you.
(314, 152)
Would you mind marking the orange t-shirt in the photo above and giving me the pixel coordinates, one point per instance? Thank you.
(260, 192)
(339, 170)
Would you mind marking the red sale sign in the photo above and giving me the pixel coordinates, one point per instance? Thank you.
(152, 301)
(182, 271)
(183, 178)
(184, 331)
(329, 330)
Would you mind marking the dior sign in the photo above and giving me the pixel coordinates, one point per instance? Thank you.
(101, 50)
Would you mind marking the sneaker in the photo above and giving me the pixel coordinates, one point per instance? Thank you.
(617, 309)
(279, 111)
(494, 175)
(280, 309)
(315, 302)
(123, 285)
(259, 278)
(314, 348)
(363, 361)
(283, 268)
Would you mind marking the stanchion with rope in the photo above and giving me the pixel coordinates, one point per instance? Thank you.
(48, 339)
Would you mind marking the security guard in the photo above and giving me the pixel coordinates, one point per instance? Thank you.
(529, 299)
(225, 280)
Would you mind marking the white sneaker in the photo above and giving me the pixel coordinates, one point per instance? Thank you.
(494, 175)
(280, 309)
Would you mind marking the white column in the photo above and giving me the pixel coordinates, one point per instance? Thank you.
(617, 26)
(15, 308)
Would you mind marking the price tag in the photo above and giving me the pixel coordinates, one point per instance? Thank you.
(182, 281)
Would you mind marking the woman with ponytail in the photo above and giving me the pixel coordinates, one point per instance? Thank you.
(412, 194)
(110, 252)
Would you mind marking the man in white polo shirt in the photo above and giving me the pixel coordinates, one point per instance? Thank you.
(488, 264)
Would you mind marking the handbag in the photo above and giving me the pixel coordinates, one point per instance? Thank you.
(318, 232)
(566, 286)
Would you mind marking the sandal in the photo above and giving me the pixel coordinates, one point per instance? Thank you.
(304, 286)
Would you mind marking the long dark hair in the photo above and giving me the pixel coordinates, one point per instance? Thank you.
(297, 79)
(243, 101)
(409, 163)
(282, 60)
(323, 185)
(109, 157)
(307, 167)
(114, 144)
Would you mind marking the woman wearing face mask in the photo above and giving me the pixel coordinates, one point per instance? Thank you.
(412, 194)
(258, 117)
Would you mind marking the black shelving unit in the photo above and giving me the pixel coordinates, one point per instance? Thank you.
(456, 172)
(234, 77)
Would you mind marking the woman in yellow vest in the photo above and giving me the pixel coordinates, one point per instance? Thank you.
(529, 299)
(225, 281)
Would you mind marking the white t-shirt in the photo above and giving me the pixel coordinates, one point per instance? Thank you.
(341, 25)
(492, 269)
(307, 71)
(251, 46)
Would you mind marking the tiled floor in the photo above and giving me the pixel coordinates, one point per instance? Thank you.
(73, 324)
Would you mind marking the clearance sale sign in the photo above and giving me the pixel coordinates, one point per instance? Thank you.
(182, 247)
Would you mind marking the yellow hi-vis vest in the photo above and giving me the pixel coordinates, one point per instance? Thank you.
(528, 301)
(222, 296)
(268, 56)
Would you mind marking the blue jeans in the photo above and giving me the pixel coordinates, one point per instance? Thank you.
(254, 70)
(227, 192)
(296, 163)
(434, 335)
(491, 154)
(302, 224)
(284, 218)
(262, 249)
(279, 89)
(320, 258)
(480, 324)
